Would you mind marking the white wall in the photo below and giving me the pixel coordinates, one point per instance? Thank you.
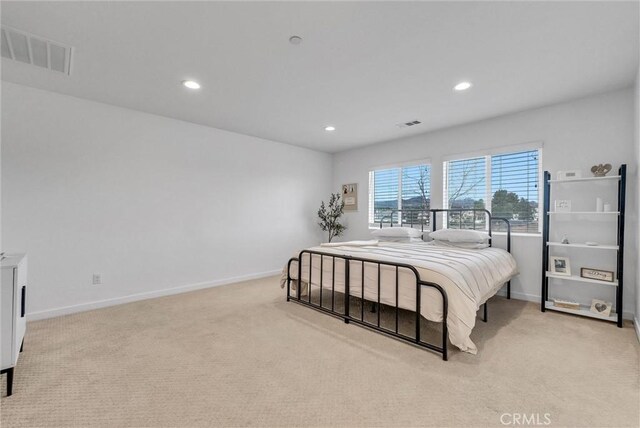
(156, 204)
(575, 135)
(150, 203)
(636, 238)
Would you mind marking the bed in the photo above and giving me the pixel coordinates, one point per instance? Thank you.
(443, 284)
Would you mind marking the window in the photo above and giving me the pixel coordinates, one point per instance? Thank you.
(466, 187)
(506, 184)
(404, 188)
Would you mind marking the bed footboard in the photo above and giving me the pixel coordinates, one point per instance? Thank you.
(350, 263)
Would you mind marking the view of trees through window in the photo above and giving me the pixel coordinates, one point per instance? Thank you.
(512, 191)
(466, 188)
(505, 184)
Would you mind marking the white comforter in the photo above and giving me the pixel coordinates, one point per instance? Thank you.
(469, 277)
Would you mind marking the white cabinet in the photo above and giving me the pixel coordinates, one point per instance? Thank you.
(12, 313)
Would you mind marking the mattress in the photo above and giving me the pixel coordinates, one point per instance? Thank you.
(468, 276)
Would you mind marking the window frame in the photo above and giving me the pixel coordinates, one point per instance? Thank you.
(487, 155)
(409, 164)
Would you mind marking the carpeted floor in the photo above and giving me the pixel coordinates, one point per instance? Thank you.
(240, 355)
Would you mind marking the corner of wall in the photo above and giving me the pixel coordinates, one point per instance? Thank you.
(636, 229)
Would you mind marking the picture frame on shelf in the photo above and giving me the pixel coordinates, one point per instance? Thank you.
(601, 307)
(559, 265)
(599, 274)
(562, 205)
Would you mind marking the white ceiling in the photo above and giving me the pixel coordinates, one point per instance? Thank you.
(362, 67)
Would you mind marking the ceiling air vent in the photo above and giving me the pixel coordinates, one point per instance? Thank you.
(408, 124)
(35, 50)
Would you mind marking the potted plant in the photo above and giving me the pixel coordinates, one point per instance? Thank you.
(330, 216)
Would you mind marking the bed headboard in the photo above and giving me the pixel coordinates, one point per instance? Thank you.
(417, 217)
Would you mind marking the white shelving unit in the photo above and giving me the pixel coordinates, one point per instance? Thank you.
(580, 279)
(572, 180)
(584, 311)
(584, 213)
(617, 284)
(595, 247)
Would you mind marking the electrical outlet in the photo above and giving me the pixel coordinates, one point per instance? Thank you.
(97, 279)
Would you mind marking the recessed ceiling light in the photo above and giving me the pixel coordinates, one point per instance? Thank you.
(462, 86)
(329, 128)
(295, 40)
(191, 84)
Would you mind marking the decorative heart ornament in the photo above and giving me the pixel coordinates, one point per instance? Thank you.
(601, 307)
(601, 170)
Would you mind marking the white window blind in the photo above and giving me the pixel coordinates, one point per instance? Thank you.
(386, 183)
(466, 187)
(416, 188)
(505, 184)
(399, 188)
(514, 190)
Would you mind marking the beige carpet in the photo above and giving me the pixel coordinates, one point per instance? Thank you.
(240, 355)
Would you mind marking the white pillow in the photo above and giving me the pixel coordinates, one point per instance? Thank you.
(397, 232)
(460, 235)
(465, 245)
(395, 239)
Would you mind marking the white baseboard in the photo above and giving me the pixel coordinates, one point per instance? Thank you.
(520, 296)
(66, 310)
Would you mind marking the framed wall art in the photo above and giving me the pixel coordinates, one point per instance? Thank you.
(350, 196)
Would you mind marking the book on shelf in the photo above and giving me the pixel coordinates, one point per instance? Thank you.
(567, 304)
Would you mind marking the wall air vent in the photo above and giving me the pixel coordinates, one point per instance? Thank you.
(408, 124)
(35, 50)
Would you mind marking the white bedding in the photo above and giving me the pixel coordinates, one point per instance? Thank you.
(469, 277)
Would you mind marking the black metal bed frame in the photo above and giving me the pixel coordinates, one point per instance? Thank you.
(357, 262)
